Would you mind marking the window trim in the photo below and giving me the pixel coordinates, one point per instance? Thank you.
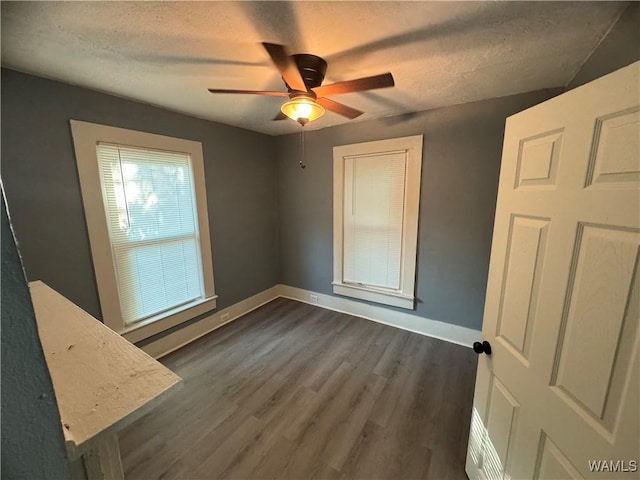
(404, 297)
(85, 138)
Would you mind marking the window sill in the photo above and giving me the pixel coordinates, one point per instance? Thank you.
(374, 295)
(154, 325)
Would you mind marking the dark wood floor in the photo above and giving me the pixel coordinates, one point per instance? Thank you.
(295, 391)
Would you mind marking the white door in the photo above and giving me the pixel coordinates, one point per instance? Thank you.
(559, 395)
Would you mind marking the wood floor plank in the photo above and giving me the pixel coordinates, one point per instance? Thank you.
(275, 460)
(200, 451)
(347, 432)
(293, 391)
(232, 451)
(395, 354)
(165, 447)
(301, 422)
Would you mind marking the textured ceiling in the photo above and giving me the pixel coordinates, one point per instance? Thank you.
(169, 53)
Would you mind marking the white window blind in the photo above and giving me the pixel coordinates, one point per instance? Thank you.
(151, 213)
(373, 219)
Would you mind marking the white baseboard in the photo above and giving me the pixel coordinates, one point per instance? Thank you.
(424, 326)
(182, 337)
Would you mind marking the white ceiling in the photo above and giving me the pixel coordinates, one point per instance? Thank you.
(168, 53)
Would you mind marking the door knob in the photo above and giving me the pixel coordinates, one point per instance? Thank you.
(484, 347)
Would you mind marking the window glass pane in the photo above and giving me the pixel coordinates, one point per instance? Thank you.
(151, 212)
(155, 277)
(373, 217)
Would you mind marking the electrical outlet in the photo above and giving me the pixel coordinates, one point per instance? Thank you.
(224, 316)
(313, 298)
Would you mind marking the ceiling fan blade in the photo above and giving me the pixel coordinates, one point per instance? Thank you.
(339, 108)
(359, 85)
(280, 116)
(194, 60)
(287, 67)
(252, 92)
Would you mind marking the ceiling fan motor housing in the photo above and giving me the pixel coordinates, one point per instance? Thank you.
(312, 69)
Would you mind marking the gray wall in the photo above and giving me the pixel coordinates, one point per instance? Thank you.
(461, 161)
(43, 192)
(32, 441)
(618, 49)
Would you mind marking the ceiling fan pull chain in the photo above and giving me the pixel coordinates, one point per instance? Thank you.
(302, 164)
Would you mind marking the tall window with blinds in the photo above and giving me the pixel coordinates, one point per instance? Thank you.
(145, 204)
(376, 200)
(373, 216)
(152, 217)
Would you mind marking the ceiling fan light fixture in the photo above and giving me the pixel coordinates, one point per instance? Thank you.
(302, 109)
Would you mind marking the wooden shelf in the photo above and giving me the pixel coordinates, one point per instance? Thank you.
(101, 381)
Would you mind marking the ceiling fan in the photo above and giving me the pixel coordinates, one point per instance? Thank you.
(303, 75)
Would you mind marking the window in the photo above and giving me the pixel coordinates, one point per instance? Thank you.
(148, 228)
(376, 201)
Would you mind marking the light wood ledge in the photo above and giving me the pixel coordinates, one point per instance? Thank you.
(101, 381)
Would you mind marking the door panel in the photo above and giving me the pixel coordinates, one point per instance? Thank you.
(526, 246)
(601, 289)
(562, 386)
(538, 160)
(614, 159)
(553, 464)
(501, 422)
